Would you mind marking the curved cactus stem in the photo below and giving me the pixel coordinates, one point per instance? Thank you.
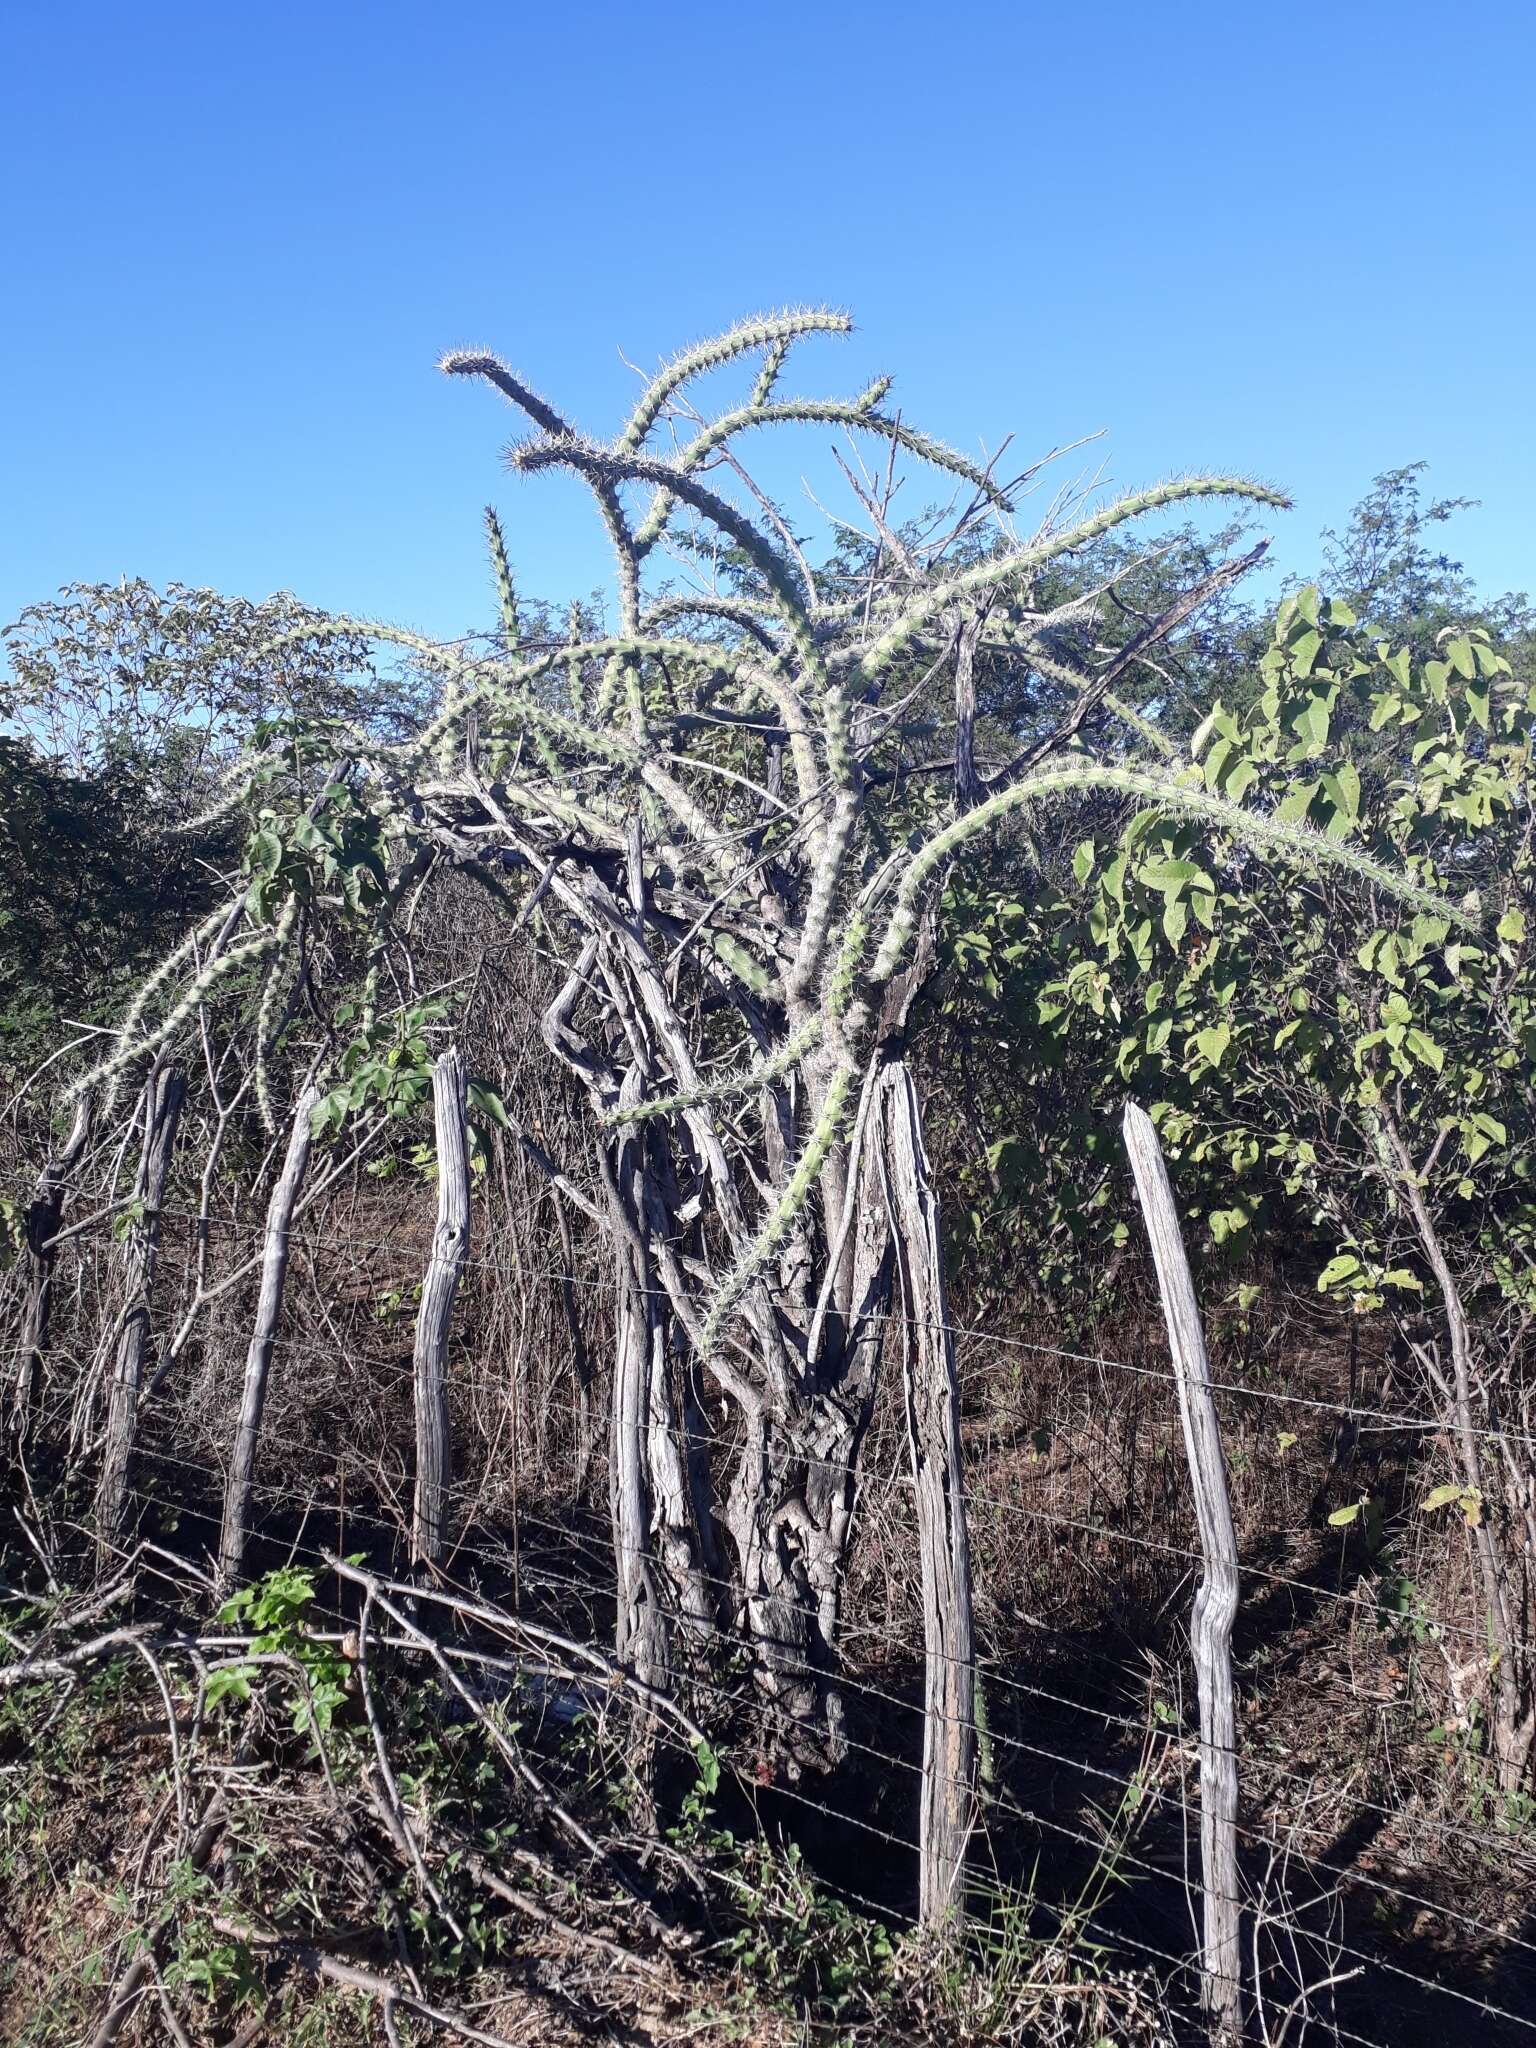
(250, 952)
(797, 1193)
(613, 466)
(140, 1000)
(766, 331)
(857, 413)
(744, 1081)
(264, 1036)
(985, 576)
(732, 611)
(233, 784)
(479, 363)
(768, 375)
(1296, 843)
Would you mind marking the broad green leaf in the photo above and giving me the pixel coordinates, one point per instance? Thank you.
(1212, 1043)
(1296, 802)
(1459, 652)
(1424, 1049)
(1204, 729)
(1343, 786)
(1440, 1497)
(1172, 877)
(1305, 649)
(265, 853)
(1342, 1267)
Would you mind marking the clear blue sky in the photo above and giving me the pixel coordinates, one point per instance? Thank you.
(1296, 240)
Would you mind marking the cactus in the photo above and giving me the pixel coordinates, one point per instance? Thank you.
(1296, 844)
(769, 331)
(946, 594)
(506, 596)
(711, 800)
(857, 413)
(785, 1213)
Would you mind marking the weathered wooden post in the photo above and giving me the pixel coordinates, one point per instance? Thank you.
(44, 1213)
(258, 1357)
(450, 1247)
(948, 1815)
(1215, 1607)
(163, 1098)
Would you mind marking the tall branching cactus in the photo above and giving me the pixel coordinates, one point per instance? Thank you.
(728, 816)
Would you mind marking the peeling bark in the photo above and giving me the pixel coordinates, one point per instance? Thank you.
(1215, 1608)
(258, 1357)
(450, 1248)
(949, 1810)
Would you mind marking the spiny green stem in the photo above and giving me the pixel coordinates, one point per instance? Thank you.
(1295, 843)
(741, 1082)
(796, 1194)
(626, 559)
(831, 856)
(857, 413)
(477, 363)
(234, 786)
(985, 576)
(734, 611)
(282, 933)
(590, 460)
(248, 953)
(762, 332)
(140, 1001)
(587, 458)
(1145, 730)
(501, 568)
(609, 688)
(768, 375)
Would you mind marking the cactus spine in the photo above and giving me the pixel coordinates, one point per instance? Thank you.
(1297, 844)
(797, 1192)
(764, 332)
(972, 583)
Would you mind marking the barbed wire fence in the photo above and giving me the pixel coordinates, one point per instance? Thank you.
(1079, 1796)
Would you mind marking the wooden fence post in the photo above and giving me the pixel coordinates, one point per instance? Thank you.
(258, 1357)
(948, 1810)
(1215, 1607)
(163, 1097)
(450, 1247)
(44, 1213)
